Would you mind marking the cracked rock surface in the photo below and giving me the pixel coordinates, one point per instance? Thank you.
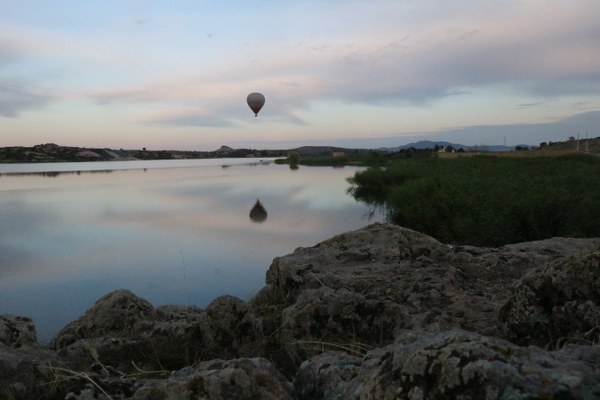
(371, 285)
(450, 365)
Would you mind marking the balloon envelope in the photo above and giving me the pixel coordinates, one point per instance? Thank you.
(255, 101)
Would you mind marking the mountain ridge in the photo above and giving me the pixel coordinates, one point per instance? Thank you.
(51, 152)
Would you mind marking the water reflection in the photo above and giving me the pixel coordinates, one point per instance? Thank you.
(54, 174)
(171, 235)
(258, 213)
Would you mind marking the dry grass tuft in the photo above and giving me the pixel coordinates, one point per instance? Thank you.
(355, 349)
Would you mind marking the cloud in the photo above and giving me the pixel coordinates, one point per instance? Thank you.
(19, 91)
(188, 100)
(532, 134)
(514, 134)
(469, 45)
(528, 105)
(547, 55)
(542, 55)
(15, 99)
(383, 52)
(189, 118)
(9, 52)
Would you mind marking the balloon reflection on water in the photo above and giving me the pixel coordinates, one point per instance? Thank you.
(258, 213)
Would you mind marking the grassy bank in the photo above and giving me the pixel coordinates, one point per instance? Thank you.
(488, 200)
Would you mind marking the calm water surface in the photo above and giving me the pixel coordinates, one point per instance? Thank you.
(173, 232)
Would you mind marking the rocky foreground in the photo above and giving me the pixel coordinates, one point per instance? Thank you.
(379, 313)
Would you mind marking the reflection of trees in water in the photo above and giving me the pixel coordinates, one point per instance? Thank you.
(247, 164)
(49, 174)
(54, 174)
(258, 213)
(373, 210)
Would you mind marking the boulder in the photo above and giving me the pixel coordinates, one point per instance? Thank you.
(556, 304)
(180, 335)
(119, 313)
(29, 373)
(233, 328)
(373, 284)
(16, 331)
(123, 330)
(452, 365)
(26, 370)
(110, 332)
(239, 379)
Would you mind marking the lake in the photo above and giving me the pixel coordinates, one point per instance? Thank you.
(171, 231)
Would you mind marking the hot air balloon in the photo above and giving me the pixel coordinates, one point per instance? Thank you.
(256, 101)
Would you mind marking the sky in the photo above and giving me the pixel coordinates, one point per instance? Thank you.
(175, 74)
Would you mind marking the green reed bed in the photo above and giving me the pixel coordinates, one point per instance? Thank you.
(488, 200)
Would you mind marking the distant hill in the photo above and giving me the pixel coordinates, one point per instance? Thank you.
(51, 152)
(324, 150)
(224, 149)
(591, 145)
(429, 144)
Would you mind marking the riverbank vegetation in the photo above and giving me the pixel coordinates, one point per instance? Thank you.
(357, 158)
(488, 200)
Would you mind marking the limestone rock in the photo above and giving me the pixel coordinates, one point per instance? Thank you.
(452, 365)
(29, 373)
(118, 313)
(181, 336)
(375, 283)
(232, 327)
(239, 379)
(556, 304)
(122, 328)
(16, 331)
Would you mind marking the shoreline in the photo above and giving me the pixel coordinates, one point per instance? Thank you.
(341, 305)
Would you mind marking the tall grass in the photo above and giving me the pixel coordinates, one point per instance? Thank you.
(487, 200)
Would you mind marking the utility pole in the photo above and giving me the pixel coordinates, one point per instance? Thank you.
(587, 150)
(578, 142)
